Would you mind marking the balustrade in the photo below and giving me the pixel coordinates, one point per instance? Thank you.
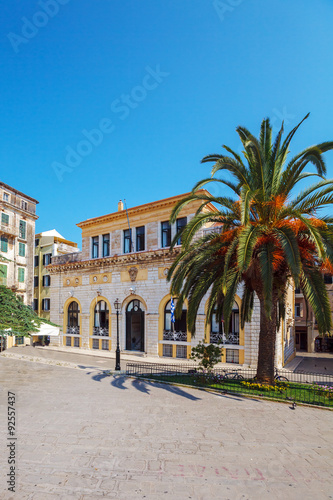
(175, 336)
(224, 338)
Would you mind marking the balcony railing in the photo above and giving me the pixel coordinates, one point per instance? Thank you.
(9, 229)
(175, 336)
(73, 330)
(224, 338)
(100, 331)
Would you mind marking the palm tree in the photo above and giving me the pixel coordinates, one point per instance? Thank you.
(267, 238)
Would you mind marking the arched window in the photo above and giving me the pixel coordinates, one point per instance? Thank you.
(73, 319)
(101, 319)
(134, 305)
(219, 332)
(175, 331)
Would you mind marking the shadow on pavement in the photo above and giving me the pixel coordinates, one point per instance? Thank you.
(118, 381)
(144, 385)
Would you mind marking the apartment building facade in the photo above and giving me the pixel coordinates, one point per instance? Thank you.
(125, 258)
(17, 235)
(48, 244)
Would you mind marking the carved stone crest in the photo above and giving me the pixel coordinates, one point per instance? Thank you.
(133, 272)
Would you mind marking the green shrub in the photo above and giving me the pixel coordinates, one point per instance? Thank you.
(208, 355)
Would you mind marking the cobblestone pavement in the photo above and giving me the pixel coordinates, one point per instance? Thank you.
(84, 435)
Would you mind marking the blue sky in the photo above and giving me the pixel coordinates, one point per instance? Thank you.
(166, 82)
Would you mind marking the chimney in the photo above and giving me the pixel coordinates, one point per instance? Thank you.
(120, 206)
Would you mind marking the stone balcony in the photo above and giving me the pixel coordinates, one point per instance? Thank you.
(9, 229)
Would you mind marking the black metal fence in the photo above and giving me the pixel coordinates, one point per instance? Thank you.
(310, 388)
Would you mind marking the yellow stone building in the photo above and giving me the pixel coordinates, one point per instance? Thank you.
(126, 256)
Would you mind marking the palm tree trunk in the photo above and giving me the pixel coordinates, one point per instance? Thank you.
(267, 338)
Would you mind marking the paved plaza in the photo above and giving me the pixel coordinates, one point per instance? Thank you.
(83, 434)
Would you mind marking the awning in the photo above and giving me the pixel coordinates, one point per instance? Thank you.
(44, 329)
(47, 330)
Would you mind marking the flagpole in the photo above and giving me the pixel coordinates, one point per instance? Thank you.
(172, 310)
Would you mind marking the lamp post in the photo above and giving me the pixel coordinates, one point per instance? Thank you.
(117, 306)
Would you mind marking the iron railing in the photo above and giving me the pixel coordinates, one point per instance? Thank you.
(224, 338)
(179, 336)
(310, 388)
(73, 330)
(100, 331)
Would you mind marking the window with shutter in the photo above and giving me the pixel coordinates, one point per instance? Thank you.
(22, 249)
(4, 244)
(3, 274)
(47, 259)
(21, 272)
(23, 229)
(46, 280)
(4, 219)
(46, 304)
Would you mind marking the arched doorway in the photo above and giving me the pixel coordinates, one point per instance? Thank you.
(135, 326)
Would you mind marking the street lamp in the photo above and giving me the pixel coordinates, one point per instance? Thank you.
(117, 306)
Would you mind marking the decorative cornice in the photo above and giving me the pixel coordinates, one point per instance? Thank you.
(10, 188)
(117, 260)
(19, 210)
(139, 209)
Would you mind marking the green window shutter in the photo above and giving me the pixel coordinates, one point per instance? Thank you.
(22, 249)
(4, 244)
(4, 219)
(23, 229)
(3, 274)
(21, 271)
(3, 271)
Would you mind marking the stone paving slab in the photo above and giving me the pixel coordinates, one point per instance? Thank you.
(80, 436)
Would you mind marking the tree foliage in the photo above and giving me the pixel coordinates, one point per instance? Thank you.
(208, 355)
(16, 316)
(263, 237)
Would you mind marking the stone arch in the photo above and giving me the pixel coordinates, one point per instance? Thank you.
(68, 302)
(66, 305)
